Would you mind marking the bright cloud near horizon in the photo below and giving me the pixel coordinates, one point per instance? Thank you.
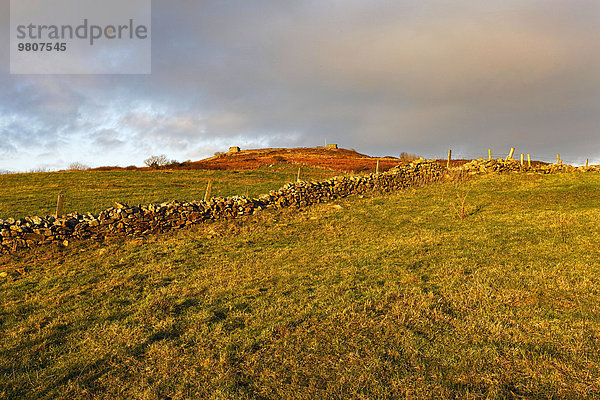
(381, 77)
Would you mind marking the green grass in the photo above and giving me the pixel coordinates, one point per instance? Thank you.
(389, 297)
(23, 195)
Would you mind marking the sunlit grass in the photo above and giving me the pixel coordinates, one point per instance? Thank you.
(24, 195)
(388, 297)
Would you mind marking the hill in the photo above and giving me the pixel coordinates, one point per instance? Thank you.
(390, 296)
(333, 159)
(339, 160)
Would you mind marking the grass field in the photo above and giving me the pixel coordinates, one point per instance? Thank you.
(23, 195)
(386, 297)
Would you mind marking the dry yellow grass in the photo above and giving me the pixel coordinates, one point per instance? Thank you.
(388, 297)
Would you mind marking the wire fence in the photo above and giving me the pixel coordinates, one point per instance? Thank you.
(546, 157)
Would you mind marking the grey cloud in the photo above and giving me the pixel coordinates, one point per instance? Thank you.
(422, 80)
(382, 77)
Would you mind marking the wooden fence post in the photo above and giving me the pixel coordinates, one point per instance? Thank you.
(490, 154)
(449, 158)
(557, 159)
(208, 190)
(528, 161)
(298, 178)
(377, 170)
(521, 159)
(587, 160)
(512, 151)
(59, 206)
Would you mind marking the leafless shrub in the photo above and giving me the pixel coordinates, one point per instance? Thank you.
(460, 205)
(155, 162)
(408, 157)
(77, 166)
(38, 170)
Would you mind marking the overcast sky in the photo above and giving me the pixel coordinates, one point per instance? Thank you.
(378, 76)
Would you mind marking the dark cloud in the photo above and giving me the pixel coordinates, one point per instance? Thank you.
(379, 76)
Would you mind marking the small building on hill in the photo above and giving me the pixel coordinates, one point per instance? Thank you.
(234, 149)
(332, 146)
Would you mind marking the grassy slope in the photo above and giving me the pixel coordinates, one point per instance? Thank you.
(391, 296)
(92, 191)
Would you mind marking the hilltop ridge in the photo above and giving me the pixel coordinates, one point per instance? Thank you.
(338, 159)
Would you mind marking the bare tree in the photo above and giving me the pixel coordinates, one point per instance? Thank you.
(77, 166)
(156, 162)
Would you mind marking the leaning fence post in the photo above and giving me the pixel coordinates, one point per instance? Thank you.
(449, 158)
(59, 206)
(512, 151)
(298, 178)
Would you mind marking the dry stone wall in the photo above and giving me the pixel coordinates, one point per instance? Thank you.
(134, 221)
(127, 221)
(482, 166)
